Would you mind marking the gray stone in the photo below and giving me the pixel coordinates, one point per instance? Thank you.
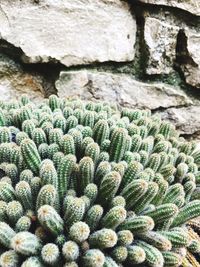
(192, 6)
(160, 38)
(186, 119)
(191, 69)
(70, 32)
(120, 89)
(14, 82)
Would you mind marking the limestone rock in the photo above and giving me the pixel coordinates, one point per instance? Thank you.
(186, 119)
(191, 68)
(14, 82)
(192, 6)
(70, 32)
(118, 88)
(160, 38)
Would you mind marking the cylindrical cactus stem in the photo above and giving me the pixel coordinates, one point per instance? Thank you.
(103, 168)
(93, 151)
(114, 217)
(55, 136)
(133, 192)
(134, 168)
(136, 142)
(119, 253)
(172, 259)
(93, 258)
(108, 187)
(79, 232)
(14, 211)
(104, 238)
(78, 137)
(23, 224)
(137, 224)
(86, 168)
(70, 251)
(162, 212)
(53, 148)
(28, 126)
(157, 240)
(189, 188)
(26, 243)
(105, 145)
(3, 208)
(91, 192)
(68, 146)
(194, 247)
(154, 161)
(93, 217)
(54, 102)
(33, 262)
(118, 144)
(74, 211)
(86, 141)
(101, 131)
(7, 192)
(136, 254)
(64, 171)
(67, 111)
(50, 254)
(2, 118)
(35, 185)
(6, 235)
(78, 113)
(181, 171)
(154, 257)
(24, 194)
(30, 155)
(11, 171)
(50, 220)
(162, 189)
(48, 173)
(118, 201)
(125, 238)
(48, 195)
(9, 259)
(39, 136)
(5, 135)
(188, 212)
(71, 122)
(57, 157)
(89, 118)
(26, 175)
(20, 136)
(177, 237)
(110, 262)
(173, 192)
(147, 198)
(60, 122)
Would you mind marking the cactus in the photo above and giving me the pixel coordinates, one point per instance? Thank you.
(84, 184)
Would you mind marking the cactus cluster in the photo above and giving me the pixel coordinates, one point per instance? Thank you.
(86, 184)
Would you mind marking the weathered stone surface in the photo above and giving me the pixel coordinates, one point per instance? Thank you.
(191, 68)
(192, 6)
(71, 32)
(160, 38)
(118, 88)
(14, 82)
(186, 119)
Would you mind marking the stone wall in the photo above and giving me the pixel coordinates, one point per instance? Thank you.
(144, 54)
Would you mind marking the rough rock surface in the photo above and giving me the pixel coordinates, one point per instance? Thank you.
(71, 32)
(14, 82)
(160, 38)
(186, 119)
(118, 88)
(192, 6)
(191, 69)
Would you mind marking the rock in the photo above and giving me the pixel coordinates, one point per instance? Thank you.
(186, 119)
(118, 88)
(192, 6)
(14, 82)
(160, 38)
(191, 66)
(70, 32)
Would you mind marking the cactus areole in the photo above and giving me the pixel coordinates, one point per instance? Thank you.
(84, 184)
